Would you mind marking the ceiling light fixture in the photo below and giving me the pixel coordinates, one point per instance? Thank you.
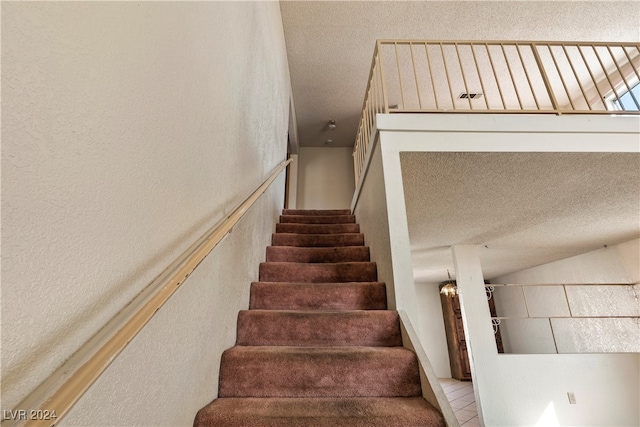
(450, 289)
(332, 124)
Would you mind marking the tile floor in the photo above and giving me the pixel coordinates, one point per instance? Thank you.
(463, 401)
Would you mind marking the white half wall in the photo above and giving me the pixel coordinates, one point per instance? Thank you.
(431, 325)
(325, 178)
(128, 130)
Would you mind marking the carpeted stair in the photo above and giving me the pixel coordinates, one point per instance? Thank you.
(318, 346)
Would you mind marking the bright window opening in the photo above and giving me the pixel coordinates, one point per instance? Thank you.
(628, 101)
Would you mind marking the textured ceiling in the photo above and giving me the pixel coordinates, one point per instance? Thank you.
(525, 209)
(330, 43)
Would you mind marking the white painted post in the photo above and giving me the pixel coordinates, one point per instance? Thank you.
(404, 286)
(476, 317)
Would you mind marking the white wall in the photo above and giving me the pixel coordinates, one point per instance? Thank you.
(325, 178)
(431, 327)
(128, 130)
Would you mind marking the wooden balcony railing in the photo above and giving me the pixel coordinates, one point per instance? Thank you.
(420, 76)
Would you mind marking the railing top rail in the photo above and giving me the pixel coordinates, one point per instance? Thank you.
(563, 284)
(67, 384)
(509, 42)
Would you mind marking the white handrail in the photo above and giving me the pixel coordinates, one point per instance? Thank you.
(65, 386)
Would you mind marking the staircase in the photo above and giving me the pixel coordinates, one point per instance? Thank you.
(318, 346)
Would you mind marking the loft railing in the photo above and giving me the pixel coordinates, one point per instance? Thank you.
(53, 399)
(561, 318)
(515, 77)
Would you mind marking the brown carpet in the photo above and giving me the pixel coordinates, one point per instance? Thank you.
(317, 346)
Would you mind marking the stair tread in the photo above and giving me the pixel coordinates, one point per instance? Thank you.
(319, 412)
(316, 212)
(317, 240)
(319, 328)
(286, 371)
(318, 296)
(358, 271)
(315, 255)
(318, 228)
(317, 219)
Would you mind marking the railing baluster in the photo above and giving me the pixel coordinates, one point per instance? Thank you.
(375, 89)
(433, 84)
(526, 73)
(367, 127)
(623, 79)
(552, 97)
(575, 74)
(473, 52)
(593, 79)
(604, 70)
(561, 78)
(495, 76)
(446, 70)
(400, 76)
(464, 79)
(513, 81)
(415, 74)
(370, 114)
(385, 95)
(635, 70)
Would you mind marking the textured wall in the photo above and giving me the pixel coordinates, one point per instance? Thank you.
(614, 264)
(129, 129)
(325, 178)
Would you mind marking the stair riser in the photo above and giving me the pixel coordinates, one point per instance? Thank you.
(317, 240)
(246, 372)
(317, 219)
(308, 212)
(317, 228)
(320, 329)
(318, 273)
(324, 296)
(316, 255)
(319, 412)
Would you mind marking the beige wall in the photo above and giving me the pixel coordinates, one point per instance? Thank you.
(128, 130)
(325, 178)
